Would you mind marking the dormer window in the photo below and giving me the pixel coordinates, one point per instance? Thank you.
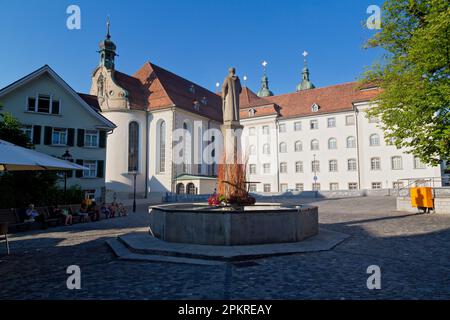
(315, 107)
(192, 89)
(251, 112)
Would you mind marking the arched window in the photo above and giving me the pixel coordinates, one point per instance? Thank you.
(351, 142)
(180, 188)
(133, 146)
(283, 147)
(374, 140)
(191, 188)
(315, 144)
(332, 143)
(266, 149)
(162, 147)
(298, 146)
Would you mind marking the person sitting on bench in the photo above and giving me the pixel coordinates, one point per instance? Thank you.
(64, 214)
(32, 215)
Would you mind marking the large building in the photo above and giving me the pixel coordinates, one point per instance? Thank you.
(312, 139)
(58, 120)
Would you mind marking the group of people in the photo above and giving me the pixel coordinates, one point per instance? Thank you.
(89, 211)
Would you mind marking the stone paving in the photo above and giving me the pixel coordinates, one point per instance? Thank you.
(411, 250)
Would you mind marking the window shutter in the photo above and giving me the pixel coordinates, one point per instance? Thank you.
(100, 169)
(79, 173)
(48, 135)
(80, 138)
(70, 137)
(102, 138)
(37, 134)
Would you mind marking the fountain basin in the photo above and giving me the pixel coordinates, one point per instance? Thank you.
(258, 224)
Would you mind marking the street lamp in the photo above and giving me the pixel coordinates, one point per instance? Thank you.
(67, 157)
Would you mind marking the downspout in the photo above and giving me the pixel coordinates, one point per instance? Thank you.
(172, 182)
(147, 135)
(358, 148)
(277, 153)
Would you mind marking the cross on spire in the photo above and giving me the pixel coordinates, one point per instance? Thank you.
(108, 25)
(305, 54)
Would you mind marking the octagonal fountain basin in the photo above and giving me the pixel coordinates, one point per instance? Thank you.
(258, 224)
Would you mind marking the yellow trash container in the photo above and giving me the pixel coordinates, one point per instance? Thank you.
(422, 197)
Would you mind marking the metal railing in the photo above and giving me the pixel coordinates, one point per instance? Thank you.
(408, 183)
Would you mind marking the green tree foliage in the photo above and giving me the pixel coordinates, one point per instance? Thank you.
(414, 76)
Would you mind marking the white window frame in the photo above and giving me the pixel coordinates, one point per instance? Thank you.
(299, 166)
(282, 127)
(314, 124)
(283, 167)
(350, 120)
(92, 172)
(333, 165)
(375, 164)
(331, 122)
(297, 126)
(91, 133)
(266, 168)
(60, 131)
(354, 166)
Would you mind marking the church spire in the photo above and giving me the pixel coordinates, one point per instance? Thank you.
(264, 91)
(107, 49)
(306, 82)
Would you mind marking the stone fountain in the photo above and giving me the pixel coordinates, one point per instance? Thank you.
(233, 224)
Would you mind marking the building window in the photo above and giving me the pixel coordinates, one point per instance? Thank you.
(91, 138)
(133, 146)
(28, 131)
(397, 163)
(251, 131)
(283, 167)
(180, 188)
(252, 187)
(315, 166)
(332, 143)
(266, 187)
(252, 150)
(374, 140)
(316, 186)
(352, 186)
(418, 164)
(252, 168)
(297, 126)
(92, 172)
(59, 137)
(283, 187)
(333, 165)
(282, 127)
(299, 187)
(31, 104)
(266, 149)
(351, 165)
(331, 122)
(89, 194)
(265, 130)
(191, 189)
(375, 164)
(398, 185)
(266, 168)
(376, 185)
(162, 147)
(283, 147)
(334, 186)
(299, 166)
(43, 104)
(315, 144)
(351, 142)
(349, 120)
(298, 146)
(314, 124)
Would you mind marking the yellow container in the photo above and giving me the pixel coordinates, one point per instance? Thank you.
(422, 197)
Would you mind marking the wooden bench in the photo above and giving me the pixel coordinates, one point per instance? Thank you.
(11, 217)
(48, 219)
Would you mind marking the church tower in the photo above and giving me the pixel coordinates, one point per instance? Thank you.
(264, 91)
(110, 95)
(306, 83)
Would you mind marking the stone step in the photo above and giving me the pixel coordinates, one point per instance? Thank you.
(123, 253)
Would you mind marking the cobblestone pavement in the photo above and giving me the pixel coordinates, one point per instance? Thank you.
(411, 250)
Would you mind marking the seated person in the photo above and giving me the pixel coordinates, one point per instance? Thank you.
(106, 210)
(31, 214)
(84, 212)
(64, 214)
(122, 210)
(93, 211)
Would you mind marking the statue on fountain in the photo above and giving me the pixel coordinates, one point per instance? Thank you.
(232, 184)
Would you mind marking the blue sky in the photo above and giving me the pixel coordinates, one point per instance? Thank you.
(196, 39)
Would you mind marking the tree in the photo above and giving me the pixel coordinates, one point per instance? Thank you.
(414, 75)
(10, 131)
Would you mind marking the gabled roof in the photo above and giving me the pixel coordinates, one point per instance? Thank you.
(335, 98)
(93, 108)
(166, 89)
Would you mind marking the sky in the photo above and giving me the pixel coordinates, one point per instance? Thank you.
(196, 39)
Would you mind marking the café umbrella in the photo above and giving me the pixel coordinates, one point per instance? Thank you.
(16, 158)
